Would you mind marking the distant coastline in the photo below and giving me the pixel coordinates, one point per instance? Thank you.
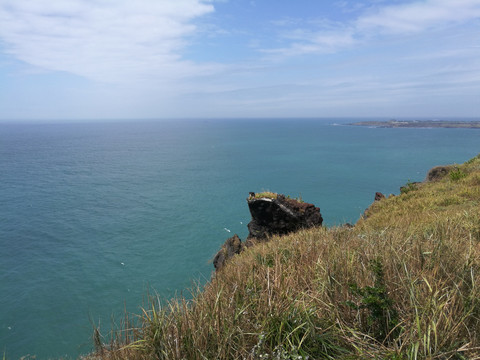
(420, 124)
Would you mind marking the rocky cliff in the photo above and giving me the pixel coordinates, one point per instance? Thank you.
(272, 214)
(279, 215)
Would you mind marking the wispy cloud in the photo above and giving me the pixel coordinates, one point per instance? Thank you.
(187, 58)
(379, 20)
(419, 16)
(348, 7)
(310, 42)
(103, 40)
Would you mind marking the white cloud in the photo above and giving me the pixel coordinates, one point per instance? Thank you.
(398, 19)
(387, 53)
(105, 40)
(420, 16)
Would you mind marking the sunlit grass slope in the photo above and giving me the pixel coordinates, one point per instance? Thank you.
(404, 283)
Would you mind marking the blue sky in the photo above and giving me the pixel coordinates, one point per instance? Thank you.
(117, 59)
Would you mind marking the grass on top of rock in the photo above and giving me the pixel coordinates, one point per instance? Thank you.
(404, 283)
(264, 194)
(272, 195)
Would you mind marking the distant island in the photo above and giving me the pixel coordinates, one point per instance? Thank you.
(420, 124)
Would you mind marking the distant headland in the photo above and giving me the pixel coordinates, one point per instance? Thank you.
(420, 124)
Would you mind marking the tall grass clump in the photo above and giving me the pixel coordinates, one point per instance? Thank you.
(404, 283)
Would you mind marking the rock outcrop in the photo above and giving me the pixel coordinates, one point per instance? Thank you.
(279, 216)
(272, 214)
(438, 172)
(231, 247)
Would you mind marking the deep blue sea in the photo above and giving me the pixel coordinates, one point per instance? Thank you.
(94, 215)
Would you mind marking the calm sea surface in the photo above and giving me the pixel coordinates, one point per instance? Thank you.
(92, 215)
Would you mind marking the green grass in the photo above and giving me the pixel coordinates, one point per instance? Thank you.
(404, 283)
(457, 174)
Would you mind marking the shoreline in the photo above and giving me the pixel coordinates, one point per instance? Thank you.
(420, 124)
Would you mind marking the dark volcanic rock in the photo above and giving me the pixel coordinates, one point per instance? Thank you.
(280, 215)
(231, 247)
(270, 216)
(379, 196)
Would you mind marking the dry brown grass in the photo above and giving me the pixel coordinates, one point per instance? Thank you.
(402, 284)
(265, 194)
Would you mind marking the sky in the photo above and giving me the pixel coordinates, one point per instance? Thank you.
(156, 59)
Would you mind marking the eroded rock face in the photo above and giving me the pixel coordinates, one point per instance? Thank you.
(270, 216)
(231, 247)
(280, 216)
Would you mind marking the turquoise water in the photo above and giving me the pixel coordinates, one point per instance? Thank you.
(92, 215)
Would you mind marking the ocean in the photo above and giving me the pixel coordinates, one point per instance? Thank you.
(93, 215)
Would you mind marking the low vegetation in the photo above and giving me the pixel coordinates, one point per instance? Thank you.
(264, 194)
(404, 283)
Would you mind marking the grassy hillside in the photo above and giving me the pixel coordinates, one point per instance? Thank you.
(404, 283)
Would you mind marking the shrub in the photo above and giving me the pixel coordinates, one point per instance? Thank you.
(457, 174)
(382, 317)
(409, 186)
